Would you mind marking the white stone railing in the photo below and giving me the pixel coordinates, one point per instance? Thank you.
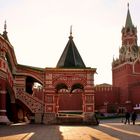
(33, 103)
(137, 107)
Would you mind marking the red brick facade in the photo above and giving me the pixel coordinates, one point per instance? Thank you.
(106, 98)
(43, 93)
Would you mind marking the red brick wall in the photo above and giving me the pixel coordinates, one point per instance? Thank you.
(121, 78)
(137, 67)
(70, 102)
(127, 78)
(106, 96)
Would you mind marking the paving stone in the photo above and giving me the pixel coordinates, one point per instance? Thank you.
(107, 130)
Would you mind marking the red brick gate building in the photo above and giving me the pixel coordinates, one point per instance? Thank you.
(68, 88)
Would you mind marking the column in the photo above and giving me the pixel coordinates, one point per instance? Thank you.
(3, 116)
(56, 103)
(83, 98)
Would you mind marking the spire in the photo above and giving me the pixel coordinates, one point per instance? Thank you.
(5, 26)
(128, 5)
(71, 37)
(128, 22)
(70, 57)
(5, 32)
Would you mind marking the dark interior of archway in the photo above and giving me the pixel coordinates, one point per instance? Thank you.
(29, 84)
(24, 108)
(11, 109)
(77, 86)
(61, 86)
(9, 112)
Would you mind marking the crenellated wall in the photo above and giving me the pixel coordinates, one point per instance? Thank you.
(106, 98)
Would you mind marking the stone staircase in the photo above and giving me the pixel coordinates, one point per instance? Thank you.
(33, 103)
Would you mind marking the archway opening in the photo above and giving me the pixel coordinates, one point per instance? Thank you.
(77, 88)
(9, 111)
(32, 83)
(71, 101)
(61, 87)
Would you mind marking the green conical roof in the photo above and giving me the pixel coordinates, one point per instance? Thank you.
(70, 57)
(128, 22)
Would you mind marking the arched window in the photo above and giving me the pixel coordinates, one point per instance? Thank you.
(61, 87)
(77, 88)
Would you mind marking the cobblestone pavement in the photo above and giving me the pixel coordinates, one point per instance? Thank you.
(107, 130)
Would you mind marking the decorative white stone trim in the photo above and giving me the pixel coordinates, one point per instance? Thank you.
(3, 92)
(133, 68)
(4, 119)
(3, 110)
(136, 108)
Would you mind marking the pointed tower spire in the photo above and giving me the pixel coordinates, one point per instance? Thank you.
(5, 32)
(71, 37)
(5, 26)
(128, 22)
(70, 57)
(127, 30)
(71, 30)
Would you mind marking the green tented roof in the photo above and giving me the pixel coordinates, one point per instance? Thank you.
(128, 22)
(70, 57)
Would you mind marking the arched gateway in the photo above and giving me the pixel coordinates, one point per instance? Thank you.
(69, 86)
(69, 90)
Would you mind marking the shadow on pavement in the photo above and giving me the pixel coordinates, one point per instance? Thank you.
(30, 132)
(120, 131)
(106, 130)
